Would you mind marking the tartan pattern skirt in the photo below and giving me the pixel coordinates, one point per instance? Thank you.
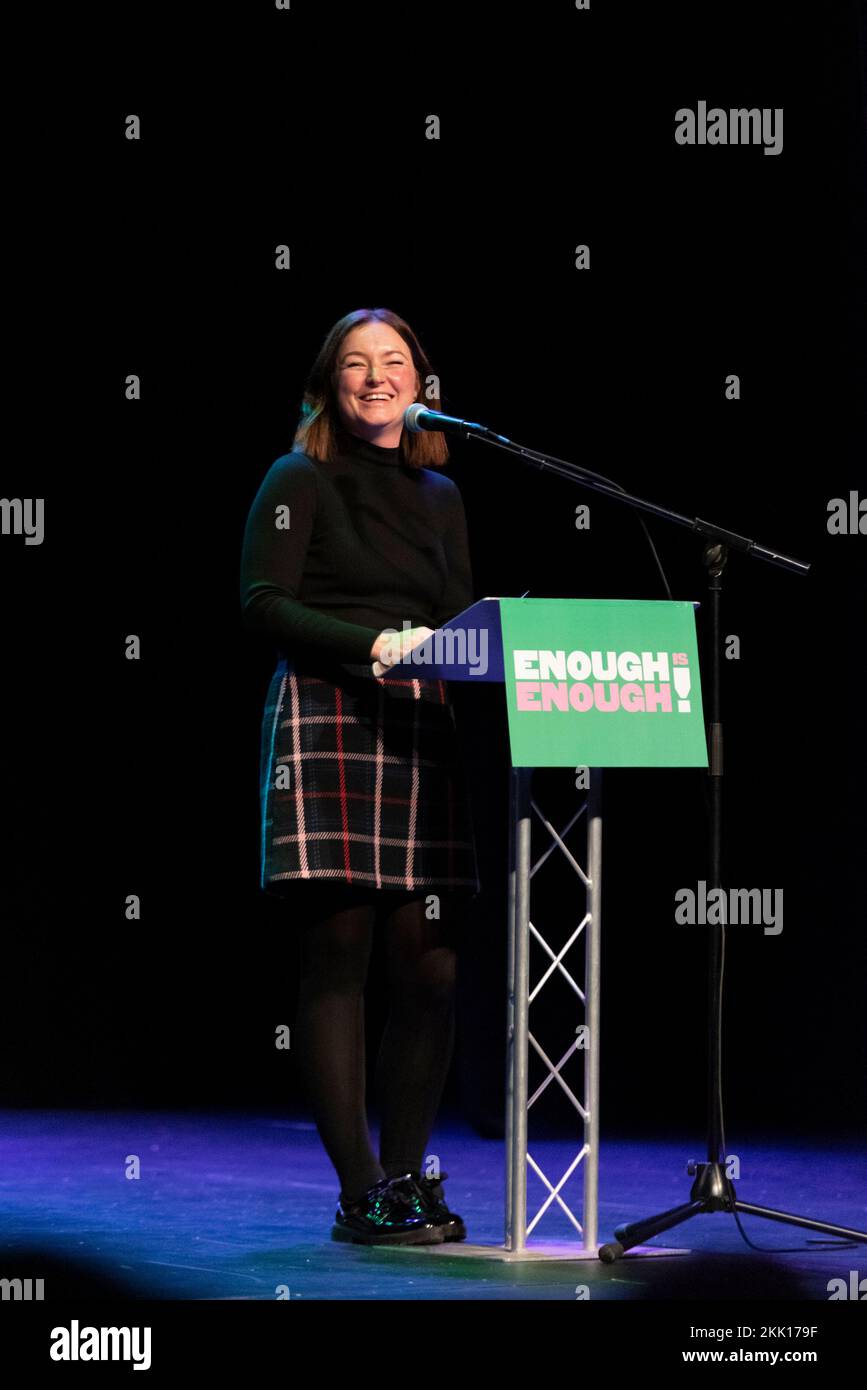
(361, 785)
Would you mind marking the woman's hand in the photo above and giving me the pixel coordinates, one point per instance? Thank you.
(391, 647)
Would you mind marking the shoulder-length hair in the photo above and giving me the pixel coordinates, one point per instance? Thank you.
(318, 431)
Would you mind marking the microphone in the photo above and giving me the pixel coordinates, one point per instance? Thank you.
(417, 418)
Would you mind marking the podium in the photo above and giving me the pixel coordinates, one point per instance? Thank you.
(589, 684)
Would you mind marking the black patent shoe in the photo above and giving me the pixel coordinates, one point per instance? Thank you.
(431, 1189)
(391, 1212)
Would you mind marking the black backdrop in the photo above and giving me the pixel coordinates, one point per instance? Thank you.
(157, 258)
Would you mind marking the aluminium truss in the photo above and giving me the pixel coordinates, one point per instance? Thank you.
(522, 993)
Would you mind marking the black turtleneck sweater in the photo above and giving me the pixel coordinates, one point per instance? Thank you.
(370, 542)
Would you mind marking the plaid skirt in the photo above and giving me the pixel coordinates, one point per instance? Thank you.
(362, 786)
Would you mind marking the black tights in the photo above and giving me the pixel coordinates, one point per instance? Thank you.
(416, 1047)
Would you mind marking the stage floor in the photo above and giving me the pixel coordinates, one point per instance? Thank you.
(239, 1206)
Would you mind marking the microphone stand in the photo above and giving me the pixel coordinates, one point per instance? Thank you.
(712, 1189)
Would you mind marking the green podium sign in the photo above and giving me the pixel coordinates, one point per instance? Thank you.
(602, 683)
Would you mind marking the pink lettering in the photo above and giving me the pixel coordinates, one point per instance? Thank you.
(631, 697)
(555, 695)
(525, 695)
(612, 702)
(581, 697)
(657, 699)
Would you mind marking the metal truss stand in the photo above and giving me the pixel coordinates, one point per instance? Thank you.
(521, 995)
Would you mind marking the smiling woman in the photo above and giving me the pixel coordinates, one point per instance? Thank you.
(373, 816)
(370, 353)
(377, 383)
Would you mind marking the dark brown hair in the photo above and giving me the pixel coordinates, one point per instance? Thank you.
(320, 427)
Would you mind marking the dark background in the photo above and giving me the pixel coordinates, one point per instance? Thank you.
(157, 257)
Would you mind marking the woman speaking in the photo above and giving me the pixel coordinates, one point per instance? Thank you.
(354, 536)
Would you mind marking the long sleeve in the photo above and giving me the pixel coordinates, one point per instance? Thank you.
(276, 540)
(458, 593)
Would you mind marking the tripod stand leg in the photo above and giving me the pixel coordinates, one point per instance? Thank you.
(640, 1231)
(845, 1232)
